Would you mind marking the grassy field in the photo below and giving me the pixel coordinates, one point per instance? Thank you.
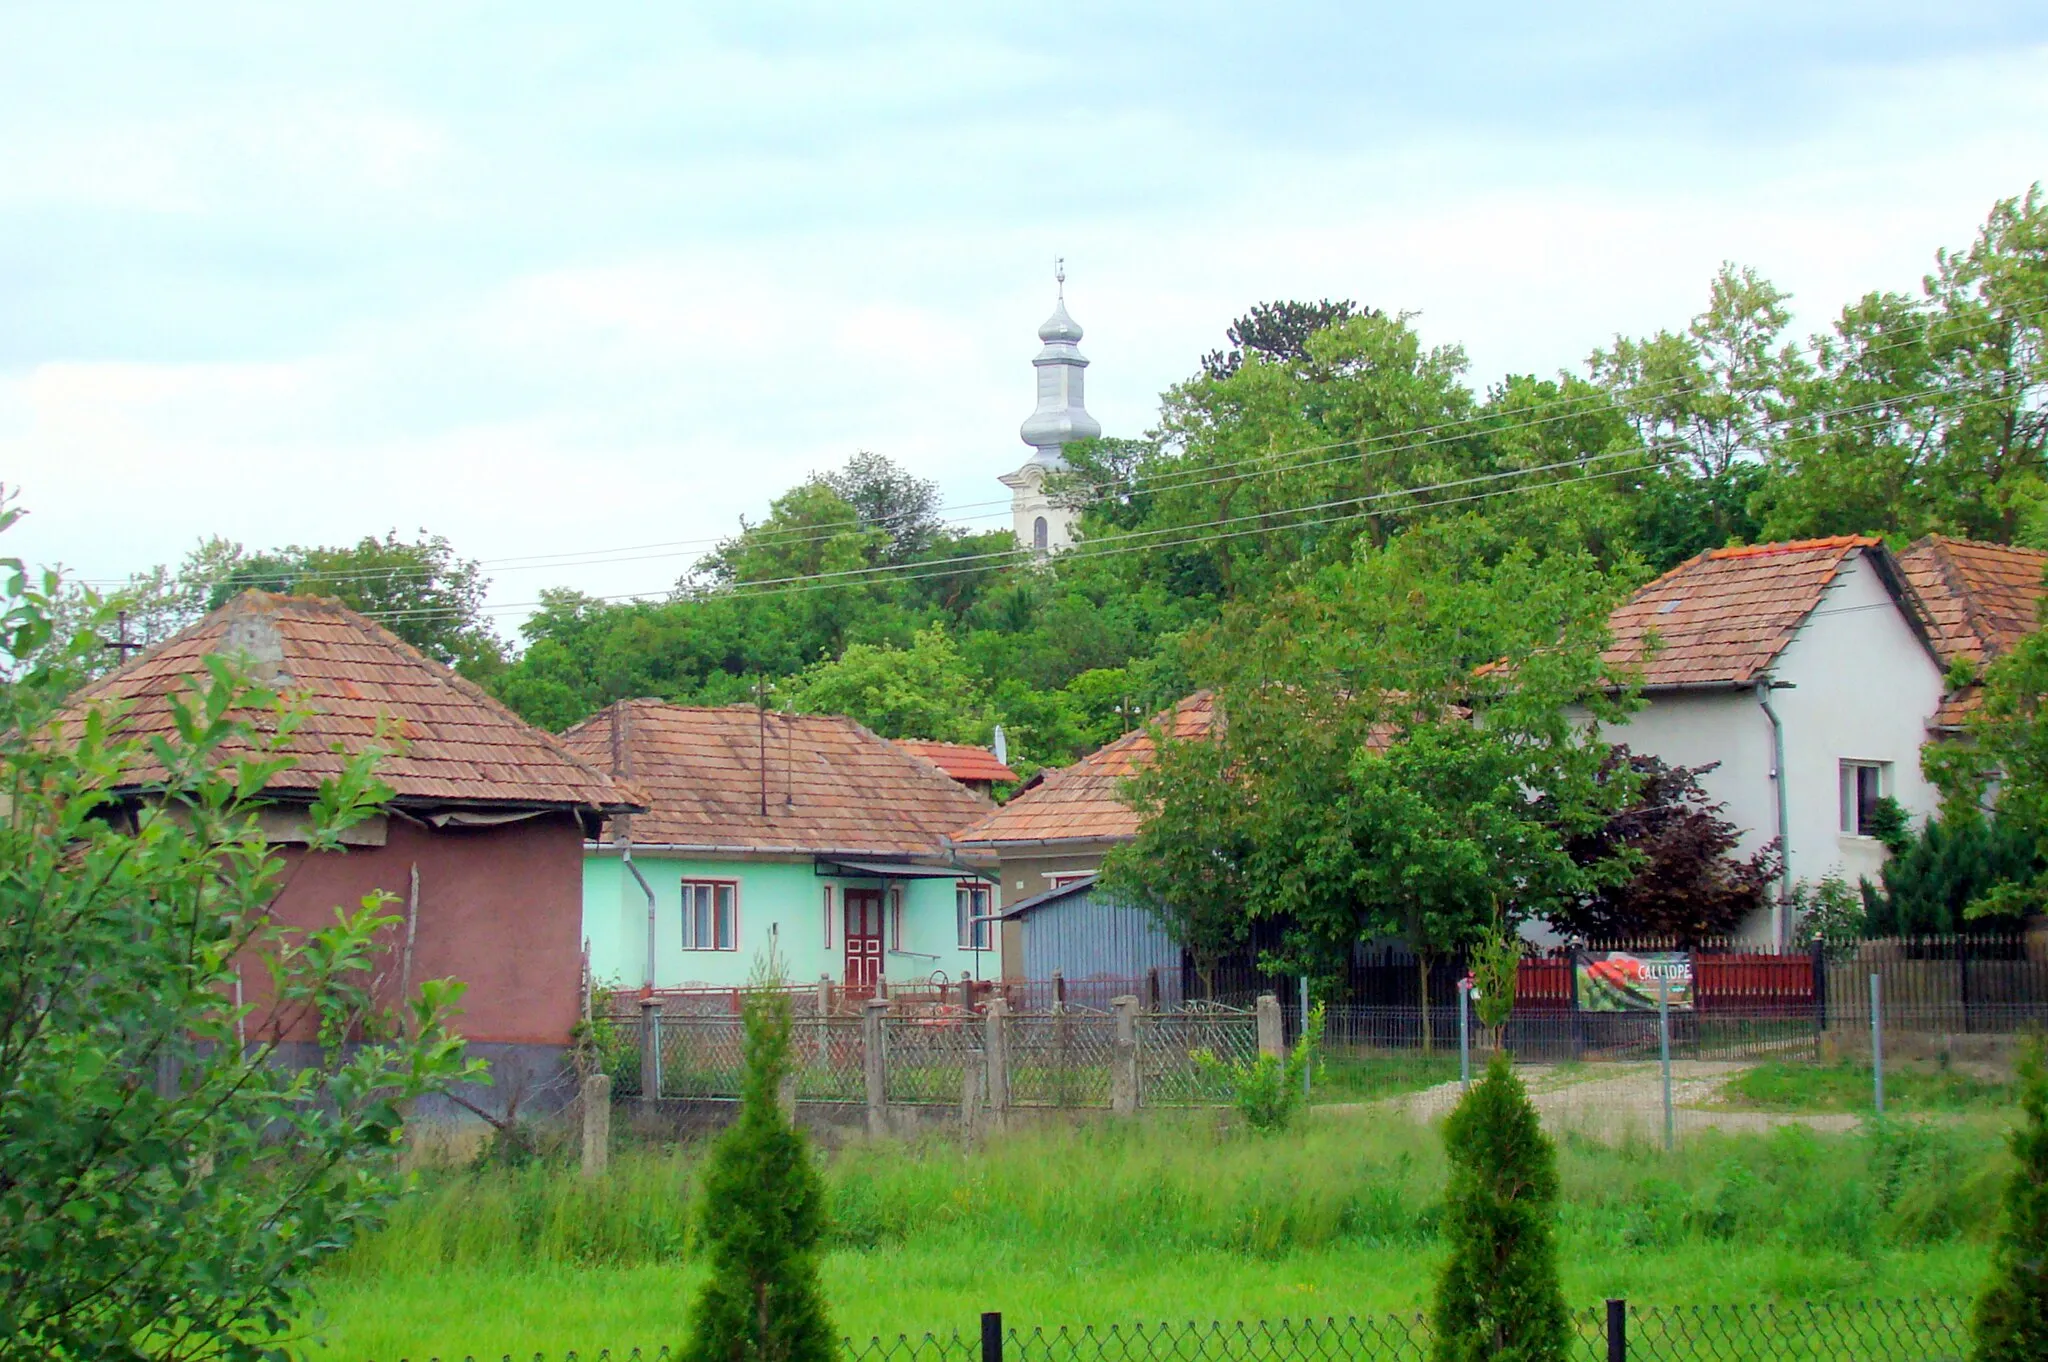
(1849, 1087)
(1175, 1217)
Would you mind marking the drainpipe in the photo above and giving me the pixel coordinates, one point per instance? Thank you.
(1764, 686)
(626, 855)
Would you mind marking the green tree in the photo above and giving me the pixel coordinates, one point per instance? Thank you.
(167, 1182)
(762, 1218)
(2011, 1319)
(924, 691)
(1278, 332)
(1498, 1296)
(1946, 865)
(2003, 756)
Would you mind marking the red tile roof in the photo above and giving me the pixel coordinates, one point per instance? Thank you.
(459, 745)
(831, 785)
(1084, 801)
(1722, 618)
(1980, 599)
(961, 761)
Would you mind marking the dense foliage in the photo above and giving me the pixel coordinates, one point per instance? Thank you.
(762, 1218)
(1499, 1296)
(167, 1178)
(2012, 1315)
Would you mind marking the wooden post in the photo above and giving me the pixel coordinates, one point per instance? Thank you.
(995, 1058)
(1123, 1064)
(597, 1123)
(1152, 989)
(822, 1057)
(1059, 991)
(1272, 1036)
(875, 1064)
(650, 1049)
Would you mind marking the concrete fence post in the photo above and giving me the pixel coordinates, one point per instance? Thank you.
(1272, 1036)
(995, 1057)
(597, 1123)
(821, 1054)
(1123, 1062)
(650, 1049)
(875, 1064)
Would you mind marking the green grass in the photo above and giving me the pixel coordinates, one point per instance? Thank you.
(1849, 1087)
(1178, 1216)
(1368, 1077)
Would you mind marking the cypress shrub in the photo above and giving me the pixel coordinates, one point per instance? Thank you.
(762, 1219)
(1499, 1296)
(2011, 1323)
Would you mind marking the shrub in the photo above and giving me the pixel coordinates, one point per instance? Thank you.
(1499, 1295)
(1267, 1090)
(2012, 1315)
(762, 1218)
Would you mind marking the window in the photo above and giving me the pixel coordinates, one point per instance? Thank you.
(971, 907)
(1040, 532)
(711, 915)
(828, 917)
(1863, 784)
(1061, 881)
(896, 917)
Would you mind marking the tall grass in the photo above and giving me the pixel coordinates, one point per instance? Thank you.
(1176, 1185)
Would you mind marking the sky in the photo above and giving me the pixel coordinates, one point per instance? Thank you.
(580, 286)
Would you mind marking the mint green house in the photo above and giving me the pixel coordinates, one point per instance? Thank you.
(804, 836)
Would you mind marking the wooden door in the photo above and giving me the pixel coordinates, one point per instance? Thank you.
(863, 939)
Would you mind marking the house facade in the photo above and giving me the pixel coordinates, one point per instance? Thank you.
(480, 847)
(1805, 674)
(802, 839)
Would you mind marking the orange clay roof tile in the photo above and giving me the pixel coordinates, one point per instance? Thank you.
(1980, 599)
(358, 680)
(1723, 617)
(1084, 801)
(961, 761)
(830, 786)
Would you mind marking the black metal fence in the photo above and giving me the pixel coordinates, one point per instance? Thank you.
(1933, 1329)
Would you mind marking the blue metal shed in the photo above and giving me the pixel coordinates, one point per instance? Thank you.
(1082, 933)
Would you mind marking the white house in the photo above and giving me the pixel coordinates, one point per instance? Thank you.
(1806, 673)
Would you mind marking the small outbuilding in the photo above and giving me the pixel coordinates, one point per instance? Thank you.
(480, 846)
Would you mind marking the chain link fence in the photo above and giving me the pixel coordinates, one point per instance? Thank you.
(1933, 1329)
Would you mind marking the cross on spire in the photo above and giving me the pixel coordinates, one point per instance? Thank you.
(1059, 275)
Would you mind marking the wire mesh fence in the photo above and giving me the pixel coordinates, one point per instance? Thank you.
(1928, 1329)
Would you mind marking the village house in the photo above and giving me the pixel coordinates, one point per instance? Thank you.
(1979, 600)
(803, 838)
(1806, 674)
(480, 847)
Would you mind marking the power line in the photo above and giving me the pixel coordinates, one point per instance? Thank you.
(1475, 425)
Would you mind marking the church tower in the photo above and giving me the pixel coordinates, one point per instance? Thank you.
(1062, 416)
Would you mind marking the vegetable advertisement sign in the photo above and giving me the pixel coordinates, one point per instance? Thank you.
(1626, 981)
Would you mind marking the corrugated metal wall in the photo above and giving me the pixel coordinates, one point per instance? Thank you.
(1088, 935)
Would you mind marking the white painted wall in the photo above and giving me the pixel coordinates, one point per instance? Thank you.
(1862, 687)
(1029, 502)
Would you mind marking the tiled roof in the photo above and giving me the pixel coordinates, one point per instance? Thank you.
(1082, 801)
(831, 785)
(1722, 618)
(458, 745)
(1980, 599)
(961, 761)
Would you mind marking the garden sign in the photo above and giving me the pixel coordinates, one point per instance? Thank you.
(1626, 981)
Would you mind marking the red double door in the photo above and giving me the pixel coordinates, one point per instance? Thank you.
(863, 939)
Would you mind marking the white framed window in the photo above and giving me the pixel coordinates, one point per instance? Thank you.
(1062, 881)
(711, 915)
(971, 911)
(828, 917)
(896, 917)
(1863, 784)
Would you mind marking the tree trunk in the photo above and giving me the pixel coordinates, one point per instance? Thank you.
(1422, 963)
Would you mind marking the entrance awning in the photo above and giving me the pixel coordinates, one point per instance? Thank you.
(894, 870)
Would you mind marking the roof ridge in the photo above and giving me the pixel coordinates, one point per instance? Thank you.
(1836, 541)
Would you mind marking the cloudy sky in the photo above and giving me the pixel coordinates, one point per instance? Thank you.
(563, 282)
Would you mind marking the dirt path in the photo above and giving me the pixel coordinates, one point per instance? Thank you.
(1614, 1101)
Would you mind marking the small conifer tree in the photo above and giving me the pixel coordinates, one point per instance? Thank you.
(763, 1218)
(2012, 1315)
(1499, 1297)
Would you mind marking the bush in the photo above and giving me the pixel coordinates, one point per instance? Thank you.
(1267, 1090)
(1499, 1295)
(2012, 1315)
(763, 1218)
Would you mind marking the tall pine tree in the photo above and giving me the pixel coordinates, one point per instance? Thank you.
(763, 1218)
(2012, 1314)
(1499, 1297)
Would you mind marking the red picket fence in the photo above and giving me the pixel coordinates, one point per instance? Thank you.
(1544, 985)
(1754, 985)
